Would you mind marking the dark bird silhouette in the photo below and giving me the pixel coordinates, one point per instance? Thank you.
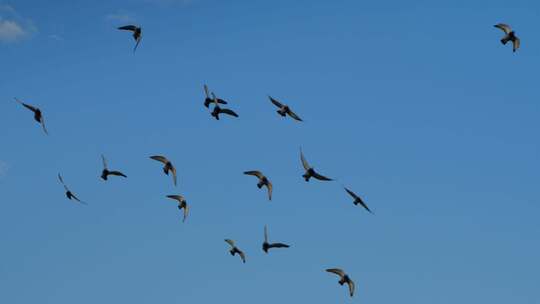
(358, 200)
(266, 246)
(69, 194)
(263, 181)
(218, 110)
(234, 250)
(38, 116)
(310, 171)
(182, 204)
(208, 100)
(343, 278)
(105, 173)
(510, 35)
(284, 109)
(137, 33)
(168, 166)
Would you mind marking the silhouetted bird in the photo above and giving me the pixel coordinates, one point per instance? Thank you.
(168, 166)
(263, 181)
(137, 33)
(69, 194)
(105, 173)
(357, 200)
(218, 110)
(182, 204)
(510, 35)
(234, 250)
(38, 116)
(343, 278)
(284, 109)
(208, 100)
(266, 246)
(310, 171)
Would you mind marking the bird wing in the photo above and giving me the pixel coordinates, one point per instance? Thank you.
(173, 170)
(62, 182)
(206, 91)
(269, 187)
(138, 40)
(229, 112)
(42, 122)
(351, 287)
(294, 116)
(132, 28)
(516, 43)
(186, 211)
(321, 177)
(29, 107)
(364, 205)
(104, 161)
(178, 198)
(230, 242)
(275, 102)
(254, 173)
(337, 271)
(278, 245)
(304, 161)
(117, 173)
(160, 158)
(242, 255)
(504, 27)
(265, 234)
(77, 199)
(351, 193)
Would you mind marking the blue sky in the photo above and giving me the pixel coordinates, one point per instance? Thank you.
(414, 105)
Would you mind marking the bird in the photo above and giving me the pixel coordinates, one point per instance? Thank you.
(343, 278)
(510, 35)
(358, 200)
(263, 181)
(168, 166)
(310, 171)
(218, 110)
(69, 194)
(284, 109)
(266, 246)
(137, 33)
(234, 250)
(38, 115)
(105, 173)
(208, 100)
(182, 204)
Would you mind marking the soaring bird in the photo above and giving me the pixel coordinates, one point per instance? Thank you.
(218, 110)
(266, 246)
(69, 194)
(137, 33)
(234, 250)
(357, 200)
(284, 109)
(105, 173)
(310, 171)
(263, 181)
(208, 100)
(510, 35)
(168, 166)
(182, 204)
(343, 278)
(38, 116)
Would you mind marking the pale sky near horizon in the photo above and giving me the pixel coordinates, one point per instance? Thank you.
(414, 105)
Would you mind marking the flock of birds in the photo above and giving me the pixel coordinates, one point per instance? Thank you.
(263, 181)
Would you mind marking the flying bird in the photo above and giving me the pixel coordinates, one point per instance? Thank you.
(208, 100)
(263, 181)
(284, 109)
(343, 278)
(234, 250)
(38, 116)
(168, 166)
(105, 173)
(137, 33)
(510, 35)
(358, 200)
(69, 194)
(182, 204)
(310, 171)
(218, 110)
(266, 246)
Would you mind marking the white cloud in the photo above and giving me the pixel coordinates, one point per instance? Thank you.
(120, 16)
(12, 26)
(4, 168)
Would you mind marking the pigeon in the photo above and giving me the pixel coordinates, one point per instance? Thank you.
(218, 110)
(182, 204)
(358, 200)
(263, 181)
(38, 116)
(510, 35)
(310, 171)
(168, 166)
(284, 109)
(137, 33)
(344, 278)
(266, 246)
(208, 100)
(234, 250)
(69, 194)
(105, 173)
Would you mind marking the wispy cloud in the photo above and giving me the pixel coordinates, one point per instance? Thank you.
(55, 37)
(13, 27)
(120, 16)
(4, 168)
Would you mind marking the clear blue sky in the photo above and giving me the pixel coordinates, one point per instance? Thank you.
(415, 105)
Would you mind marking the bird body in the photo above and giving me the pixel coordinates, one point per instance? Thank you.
(267, 246)
(510, 35)
(137, 33)
(284, 109)
(167, 166)
(358, 200)
(208, 100)
(218, 110)
(263, 181)
(106, 172)
(343, 279)
(182, 204)
(310, 171)
(38, 115)
(70, 195)
(235, 250)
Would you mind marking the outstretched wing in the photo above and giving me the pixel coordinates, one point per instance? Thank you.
(160, 158)
(138, 40)
(117, 173)
(242, 255)
(516, 43)
(173, 170)
(504, 27)
(186, 211)
(270, 187)
(351, 287)
(42, 122)
(278, 245)
(321, 177)
(265, 234)
(351, 193)
(77, 199)
(206, 92)
(62, 182)
(294, 116)
(130, 27)
(304, 161)
(29, 107)
(104, 161)
(230, 242)
(254, 173)
(275, 102)
(229, 112)
(337, 271)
